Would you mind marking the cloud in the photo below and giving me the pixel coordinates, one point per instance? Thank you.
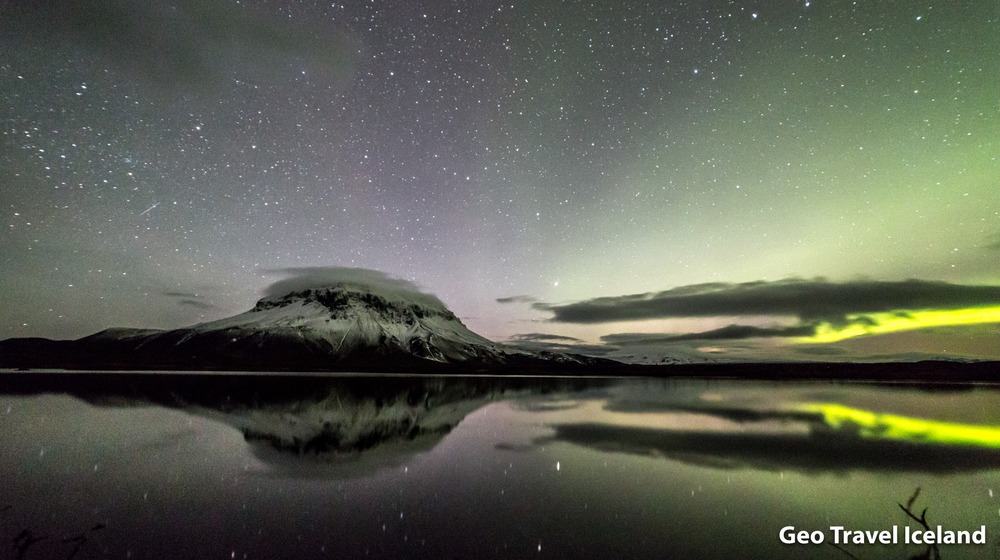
(195, 303)
(558, 343)
(188, 300)
(180, 294)
(730, 332)
(809, 300)
(540, 337)
(517, 299)
(311, 278)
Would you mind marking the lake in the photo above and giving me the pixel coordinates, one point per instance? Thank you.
(497, 468)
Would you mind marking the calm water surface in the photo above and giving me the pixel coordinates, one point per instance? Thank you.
(632, 469)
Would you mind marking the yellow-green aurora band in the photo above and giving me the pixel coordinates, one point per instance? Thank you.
(904, 428)
(884, 323)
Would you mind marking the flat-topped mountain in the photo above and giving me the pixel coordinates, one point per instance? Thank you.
(339, 327)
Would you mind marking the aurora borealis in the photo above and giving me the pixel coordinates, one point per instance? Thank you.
(870, 424)
(165, 163)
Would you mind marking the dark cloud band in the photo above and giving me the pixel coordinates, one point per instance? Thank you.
(517, 299)
(187, 299)
(809, 300)
(542, 337)
(730, 332)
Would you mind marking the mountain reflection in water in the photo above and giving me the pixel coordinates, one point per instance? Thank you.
(426, 467)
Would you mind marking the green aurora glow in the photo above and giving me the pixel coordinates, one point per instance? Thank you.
(876, 425)
(885, 323)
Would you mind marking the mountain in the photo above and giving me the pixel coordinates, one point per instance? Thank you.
(340, 327)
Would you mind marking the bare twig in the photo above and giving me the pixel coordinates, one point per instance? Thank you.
(913, 498)
(932, 549)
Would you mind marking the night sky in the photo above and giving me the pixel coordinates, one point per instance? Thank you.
(775, 179)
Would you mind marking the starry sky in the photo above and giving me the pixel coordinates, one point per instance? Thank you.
(546, 168)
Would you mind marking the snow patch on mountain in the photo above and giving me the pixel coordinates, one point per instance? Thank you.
(346, 317)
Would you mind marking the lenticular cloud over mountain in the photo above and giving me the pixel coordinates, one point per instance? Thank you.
(311, 278)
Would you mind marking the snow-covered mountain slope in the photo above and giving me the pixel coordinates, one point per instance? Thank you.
(342, 326)
(346, 318)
